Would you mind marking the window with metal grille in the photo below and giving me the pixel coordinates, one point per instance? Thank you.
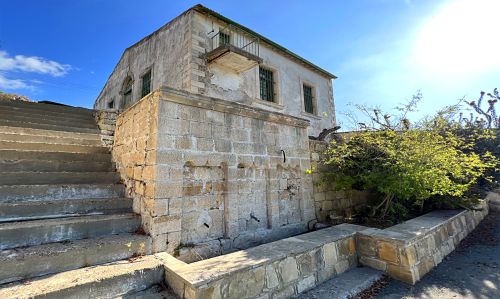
(308, 99)
(146, 84)
(266, 84)
(224, 38)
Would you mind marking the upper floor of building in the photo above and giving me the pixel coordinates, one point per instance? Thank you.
(203, 52)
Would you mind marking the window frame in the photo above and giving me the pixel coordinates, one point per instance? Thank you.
(314, 93)
(127, 91)
(150, 71)
(275, 84)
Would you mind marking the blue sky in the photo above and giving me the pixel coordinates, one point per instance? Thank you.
(381, 50)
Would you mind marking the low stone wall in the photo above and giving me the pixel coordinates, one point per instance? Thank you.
(327, 200)
(409, 250)
(279, 269)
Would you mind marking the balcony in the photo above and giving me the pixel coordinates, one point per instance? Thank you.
(234, 49)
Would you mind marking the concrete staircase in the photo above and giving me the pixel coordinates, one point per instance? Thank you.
(62, 206)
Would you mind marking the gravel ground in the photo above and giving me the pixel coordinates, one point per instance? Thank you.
(471, 271)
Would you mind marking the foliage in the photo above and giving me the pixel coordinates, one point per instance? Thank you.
(435, 160)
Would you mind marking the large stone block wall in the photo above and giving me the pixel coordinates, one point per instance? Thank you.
(280, 269)
(410, 250)
(327, 199)
(211, 176)
(134, 154)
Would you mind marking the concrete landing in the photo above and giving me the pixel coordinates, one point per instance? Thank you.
(345, 285)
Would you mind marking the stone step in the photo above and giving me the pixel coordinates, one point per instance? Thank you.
(30, 112)
(6, 155)
(48, 139)
(37, 232)
(19, 193)
(154, 292)
(50, 147)
(47, 107)
(49, 133)
(104, 281)
(45, 209)
(61, 121)
(55, 166)
(56, 127)
(45, 178)
(24, 263)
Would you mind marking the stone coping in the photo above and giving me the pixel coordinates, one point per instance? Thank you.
(206, 271)
(416, 228)
(210, 103)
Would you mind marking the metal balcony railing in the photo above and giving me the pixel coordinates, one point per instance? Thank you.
(233, 37)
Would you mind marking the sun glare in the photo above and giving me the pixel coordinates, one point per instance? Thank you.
(462, 39)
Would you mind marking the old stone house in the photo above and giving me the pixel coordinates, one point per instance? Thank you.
(198, 147)
(204, 53)
(212, 139)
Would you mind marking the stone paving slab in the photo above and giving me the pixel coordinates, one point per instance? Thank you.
(346, 285)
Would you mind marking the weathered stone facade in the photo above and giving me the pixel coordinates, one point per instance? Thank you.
(215, 173)
(176, 56)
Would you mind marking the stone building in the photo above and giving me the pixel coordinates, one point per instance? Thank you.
(212, 137)
(204, 53)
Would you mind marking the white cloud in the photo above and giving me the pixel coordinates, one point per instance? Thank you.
(32, 64)
(6, 83)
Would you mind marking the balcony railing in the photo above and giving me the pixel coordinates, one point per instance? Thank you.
(236, 38)
(234, 48)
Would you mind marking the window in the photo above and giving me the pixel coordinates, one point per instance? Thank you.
(308, 99)
(146, 84)
(111, 104)
(127, 92)
(266, 84)
(224, 38)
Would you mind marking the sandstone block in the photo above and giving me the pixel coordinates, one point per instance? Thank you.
(288, 270)
(408, 255)
(404, 274)
(272, 280)
(373, 263)
(306, 284)
(388, 252)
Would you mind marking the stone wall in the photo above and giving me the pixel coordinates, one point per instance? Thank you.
(106, 122)
(134, 154)
(279, 269)
(409, 250)
(328, 201)
(211, 176)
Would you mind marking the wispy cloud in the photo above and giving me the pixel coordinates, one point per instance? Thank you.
(32, 64)
(12, 84)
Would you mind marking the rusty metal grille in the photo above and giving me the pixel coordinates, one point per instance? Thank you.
(266, 84)
(308, 99)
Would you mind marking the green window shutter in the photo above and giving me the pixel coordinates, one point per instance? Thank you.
(146, 84)
(308, 99)
(266, 84)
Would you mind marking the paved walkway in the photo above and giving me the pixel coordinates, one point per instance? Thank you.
(472, 271)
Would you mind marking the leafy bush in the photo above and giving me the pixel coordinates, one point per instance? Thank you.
(435, 162)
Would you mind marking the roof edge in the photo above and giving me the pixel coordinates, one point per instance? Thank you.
(202, 9)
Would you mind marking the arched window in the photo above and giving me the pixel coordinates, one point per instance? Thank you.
(127, 92)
